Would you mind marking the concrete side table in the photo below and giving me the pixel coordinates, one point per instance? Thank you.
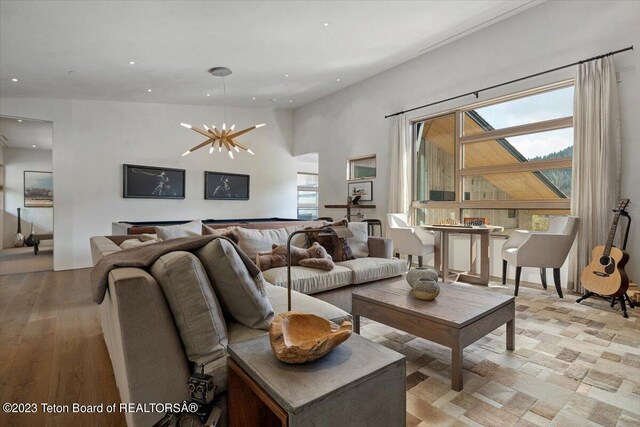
(360, 383)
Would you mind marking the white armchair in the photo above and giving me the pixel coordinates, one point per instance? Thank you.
(540, 249)
(409, 240)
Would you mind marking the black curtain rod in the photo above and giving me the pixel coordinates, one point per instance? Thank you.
(477, 92)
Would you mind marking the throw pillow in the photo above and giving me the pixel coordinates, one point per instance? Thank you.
(193, 228)
(359, 243)
(253, 241)
(228, 232)
(337, 247)
(134, 243)
(241, 296)
(195, 307)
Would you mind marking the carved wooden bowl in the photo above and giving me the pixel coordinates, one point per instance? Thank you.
(301, 337)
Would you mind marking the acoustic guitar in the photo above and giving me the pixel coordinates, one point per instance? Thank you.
(605, 274)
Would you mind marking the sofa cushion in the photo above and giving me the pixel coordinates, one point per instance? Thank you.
(254, 241)
(359, 243)
(193, 228)
(193, 304)
(241, 296)
(310, 280)
(305, 303)
(370, 269)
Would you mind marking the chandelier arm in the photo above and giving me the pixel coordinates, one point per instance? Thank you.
(226, 144)
(239, 145)
(241, 132)
(207, 142)
(201, 132)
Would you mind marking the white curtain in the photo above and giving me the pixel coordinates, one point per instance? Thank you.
(400, 174)
(595, 184)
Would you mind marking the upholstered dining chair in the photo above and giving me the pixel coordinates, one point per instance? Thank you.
(409, 240)
(540, 249)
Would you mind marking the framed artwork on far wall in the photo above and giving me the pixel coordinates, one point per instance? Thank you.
(38, 189)
(362, 188)
(152, 182)
(226, 186)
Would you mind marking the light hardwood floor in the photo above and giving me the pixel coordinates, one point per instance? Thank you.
(52, 349)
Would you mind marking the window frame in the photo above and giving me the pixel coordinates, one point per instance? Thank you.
(350, 166)
(316, 190)
(460, 141)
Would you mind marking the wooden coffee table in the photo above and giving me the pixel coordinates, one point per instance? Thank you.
(458, 317)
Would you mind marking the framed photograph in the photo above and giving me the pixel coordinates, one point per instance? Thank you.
(151, 182)
(364, 189)
(226, 186)
(38, 189)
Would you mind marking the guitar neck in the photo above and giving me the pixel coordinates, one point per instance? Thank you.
(612, 233)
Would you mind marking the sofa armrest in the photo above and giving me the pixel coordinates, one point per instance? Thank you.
(380, 247)
(101, 246)
(145, 348)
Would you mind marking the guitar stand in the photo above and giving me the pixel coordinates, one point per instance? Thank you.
(612, 301)
(624, 297)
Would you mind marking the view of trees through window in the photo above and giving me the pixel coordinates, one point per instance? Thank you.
(507, 160)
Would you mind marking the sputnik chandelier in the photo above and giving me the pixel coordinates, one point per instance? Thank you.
(222, 137)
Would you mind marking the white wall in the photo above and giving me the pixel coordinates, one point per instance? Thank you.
(546, 36)
(18, 160)
(93, 139)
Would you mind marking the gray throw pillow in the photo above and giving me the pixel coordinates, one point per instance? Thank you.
(253, 241)
(359, 243)
(190, 229)
(241, 296)
(194, 306)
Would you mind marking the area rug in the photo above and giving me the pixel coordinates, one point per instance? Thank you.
(574, 365)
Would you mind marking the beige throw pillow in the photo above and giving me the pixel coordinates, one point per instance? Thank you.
(194, 305)
(134, 243)
(193, 228)
(254, 241)
(241, 296)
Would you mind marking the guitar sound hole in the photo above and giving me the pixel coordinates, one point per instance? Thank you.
(605, 261)
(610, 268)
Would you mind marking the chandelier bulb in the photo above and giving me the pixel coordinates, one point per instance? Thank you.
(186, 152)
(250, 152)
(205, 127)
(187, 125)
(232, 127)
(224, 126)
(236, 148)
(230, 154)
(260, 125)
(211, 150)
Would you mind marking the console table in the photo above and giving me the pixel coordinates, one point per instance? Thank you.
(348, 207)
(471, 276)
(358, 383)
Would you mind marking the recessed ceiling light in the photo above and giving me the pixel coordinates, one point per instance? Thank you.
(149, 90)
(326, 24)
(19, 121)
(291, 100)
(208, 94)
(273, 100)
(33, 146)
(132, 62)
(337, 80)
(286, 75)
(254, 97)
(14, 80)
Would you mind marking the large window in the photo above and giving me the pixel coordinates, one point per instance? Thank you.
(307, 196)
(507, 160)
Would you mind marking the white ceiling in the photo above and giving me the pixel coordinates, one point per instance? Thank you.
(26, 134)
(82, 49)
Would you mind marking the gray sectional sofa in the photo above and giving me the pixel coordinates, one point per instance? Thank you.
(142, 336)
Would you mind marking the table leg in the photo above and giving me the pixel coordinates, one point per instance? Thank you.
(484, 258)
(511, 334)
(356, 324)
(445, 256)
(456, 367)
(473, 252)
(437, 256)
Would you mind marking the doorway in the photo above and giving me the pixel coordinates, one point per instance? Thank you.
(26, 195)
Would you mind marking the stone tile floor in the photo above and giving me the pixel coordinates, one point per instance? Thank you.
(574, 365)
